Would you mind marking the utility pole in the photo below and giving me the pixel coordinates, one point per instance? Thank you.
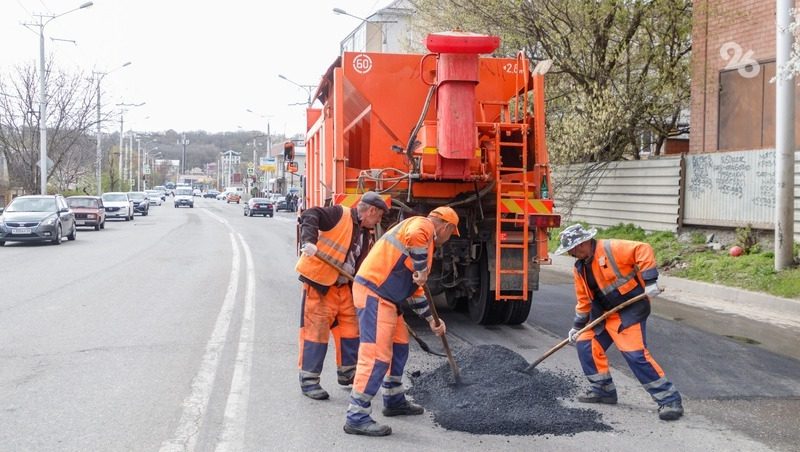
(784, 139)
(121, 144)
(183, 141)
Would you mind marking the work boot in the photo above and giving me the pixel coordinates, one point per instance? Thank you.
(316, 393)
(596, 397)
(370, 428)
(406, 409)
(670, 411)
(345, 380)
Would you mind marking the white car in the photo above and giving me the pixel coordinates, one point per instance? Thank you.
(118, 205)
(154, 196)
(183, 197)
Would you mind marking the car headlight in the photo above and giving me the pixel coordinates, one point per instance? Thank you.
(91, 216)
(49, 221)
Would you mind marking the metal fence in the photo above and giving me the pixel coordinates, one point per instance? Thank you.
(726, 189)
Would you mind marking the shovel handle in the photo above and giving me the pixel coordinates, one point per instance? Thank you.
(437, 322)
(588, 327)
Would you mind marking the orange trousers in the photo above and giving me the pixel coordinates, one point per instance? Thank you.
(631, 342)
(323, 316)
(382, 354)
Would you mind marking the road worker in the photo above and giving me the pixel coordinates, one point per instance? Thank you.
(396, 269)
(607, 273)
(342, 236)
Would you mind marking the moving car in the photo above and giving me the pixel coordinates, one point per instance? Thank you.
(37, 218)
(154, 196)
(258, 206)
(183, 197)
(163, 190)
(141, 204)
(89, 211)
(280, 203)
(118, 205)
(233, 197)
(211, 194)
(197, 192)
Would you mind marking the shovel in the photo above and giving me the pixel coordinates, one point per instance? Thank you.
(453, 365)
(588, 327)
(422, 344)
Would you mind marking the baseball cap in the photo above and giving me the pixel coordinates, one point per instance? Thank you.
(447, 214)
(374, 200)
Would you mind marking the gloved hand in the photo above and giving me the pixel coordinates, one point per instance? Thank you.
(573, 335)
(349, 269)
(437, 330)
(420, 277)
(309, 249)
(652, 290)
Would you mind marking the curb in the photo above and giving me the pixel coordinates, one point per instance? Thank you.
(731, 300)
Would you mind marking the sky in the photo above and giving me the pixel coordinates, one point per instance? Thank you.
(197, 65)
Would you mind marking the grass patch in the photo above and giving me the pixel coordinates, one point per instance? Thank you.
(693, 260)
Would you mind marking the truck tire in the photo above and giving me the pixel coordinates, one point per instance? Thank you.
(516, 312)
(483, 309)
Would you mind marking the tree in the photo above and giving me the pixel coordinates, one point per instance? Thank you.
(71, 110)
(620, 73)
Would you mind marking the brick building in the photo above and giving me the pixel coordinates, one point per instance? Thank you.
(733, 61)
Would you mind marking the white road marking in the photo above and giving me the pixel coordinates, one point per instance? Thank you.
(196, 404)
(235, 420)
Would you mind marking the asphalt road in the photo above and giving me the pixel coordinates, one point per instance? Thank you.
(178, 331)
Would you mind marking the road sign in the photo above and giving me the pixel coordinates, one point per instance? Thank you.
(251, 165)
(251, 171)
(262, 179)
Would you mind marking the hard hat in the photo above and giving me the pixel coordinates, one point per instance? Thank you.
(448, 215)
(573, 236)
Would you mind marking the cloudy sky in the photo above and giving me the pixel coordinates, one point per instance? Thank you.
(198, 65)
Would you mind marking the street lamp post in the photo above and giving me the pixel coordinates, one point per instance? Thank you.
(43, 94)
(124, 155)
(309, 89)
(366, 29)
(99, 156)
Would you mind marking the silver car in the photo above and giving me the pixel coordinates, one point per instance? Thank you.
(37, 218)
(118, 205)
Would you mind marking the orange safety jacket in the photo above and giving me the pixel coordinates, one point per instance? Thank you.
(333, 245)
(402, 250)
(621, 269)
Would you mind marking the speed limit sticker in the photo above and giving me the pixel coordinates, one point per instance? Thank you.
(362, 63)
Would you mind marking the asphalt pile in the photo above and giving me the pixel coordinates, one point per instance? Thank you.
(496, 396)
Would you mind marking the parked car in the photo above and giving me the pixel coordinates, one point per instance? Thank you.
(223, 196)
(258, 206)
(197, 192)
(211, 194)
(118, 205)
(154, 196)
(37, 218)
(183, 197)
(141, 204)
(89, 211)
(233, 197)
(163, 190)
(280, 203)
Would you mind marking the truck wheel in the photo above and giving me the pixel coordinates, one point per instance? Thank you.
(483, 309)
(516, 312)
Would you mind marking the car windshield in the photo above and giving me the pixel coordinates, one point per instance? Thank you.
(114, 197)
(82, 202)
(259, 200)
(153, 192)
(183, 191)
(32, 205)
(136, 195)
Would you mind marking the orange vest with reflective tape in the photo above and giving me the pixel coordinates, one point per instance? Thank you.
(333, 245)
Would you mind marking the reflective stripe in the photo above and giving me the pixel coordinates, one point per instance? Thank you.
(393, 379)
(392, 240)
(620, 278)
(664, 394)
(608, 388)
(360, 396)
(338, 247)
(353, 408)
(304, 375)
(599, 377)
(395, 390)
(330, 258)
(655, 384)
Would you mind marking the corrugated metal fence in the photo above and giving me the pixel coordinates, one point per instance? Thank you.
(729, 189)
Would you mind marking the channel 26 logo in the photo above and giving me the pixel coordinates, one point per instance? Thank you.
(737, 59)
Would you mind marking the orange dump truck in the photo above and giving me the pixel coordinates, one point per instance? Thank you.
(446, 128)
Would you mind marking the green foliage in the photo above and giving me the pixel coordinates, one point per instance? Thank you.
(747, 239)
(751, 271)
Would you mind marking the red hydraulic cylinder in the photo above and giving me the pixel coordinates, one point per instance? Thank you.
(457, 74)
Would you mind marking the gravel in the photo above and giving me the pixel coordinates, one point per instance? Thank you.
(497, 397)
